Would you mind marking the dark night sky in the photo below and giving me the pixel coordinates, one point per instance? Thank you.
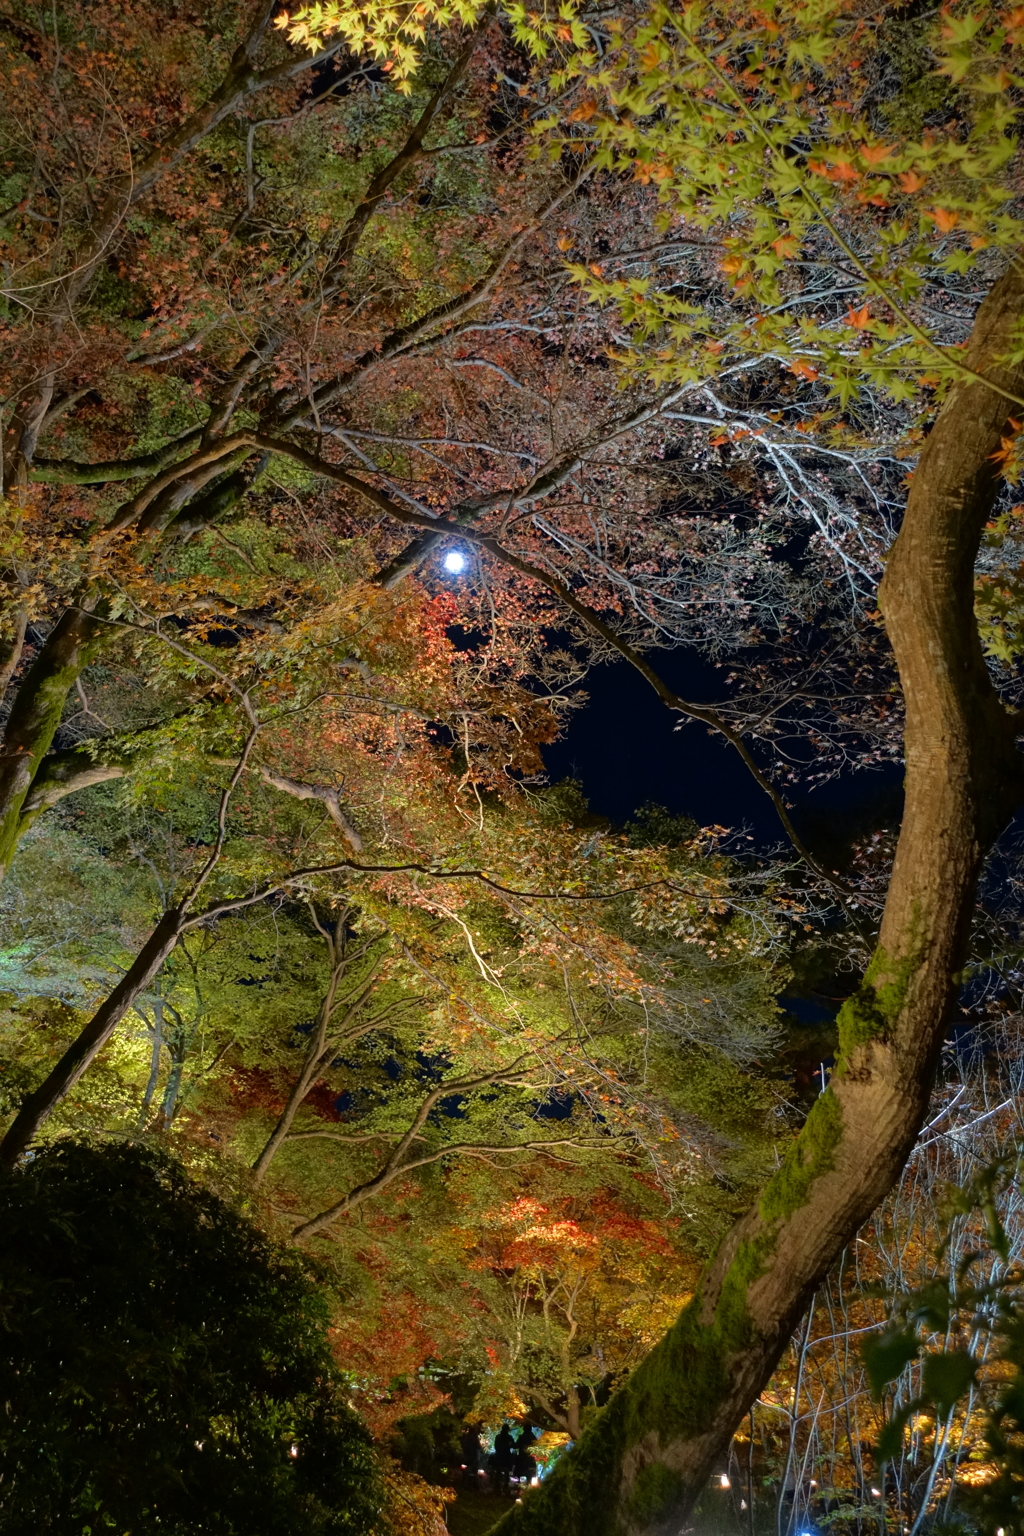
(625, 750)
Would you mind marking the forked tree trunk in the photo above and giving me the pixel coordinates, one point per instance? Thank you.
(646, 1458)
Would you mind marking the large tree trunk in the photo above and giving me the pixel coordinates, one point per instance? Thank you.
(647, 1457)
(36, 714)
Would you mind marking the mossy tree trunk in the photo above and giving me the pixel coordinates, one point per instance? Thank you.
(35, 716)
(641, 1464)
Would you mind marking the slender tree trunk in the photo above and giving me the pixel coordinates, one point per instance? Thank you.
(639, 1467)
(303, 1083)
(154, 1061)
(84, 1050)
(169, 1103)
(315, 1053)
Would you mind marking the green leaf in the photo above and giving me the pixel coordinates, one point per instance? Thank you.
(887, 1355)
(948, 1377)
(890, 1441)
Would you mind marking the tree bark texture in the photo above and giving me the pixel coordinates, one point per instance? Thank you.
(35, 716)
(645, 1459)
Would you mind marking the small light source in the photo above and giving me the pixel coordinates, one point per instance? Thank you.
(877, 1492)
(455, 561)
(295, 1450)
(723, 1481)
(534, 1482)
(743, 1503)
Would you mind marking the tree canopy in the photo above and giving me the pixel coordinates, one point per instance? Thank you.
(371, 375)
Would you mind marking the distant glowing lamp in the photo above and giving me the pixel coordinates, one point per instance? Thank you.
(723, 1481)
(877, 1492)
(455, 561)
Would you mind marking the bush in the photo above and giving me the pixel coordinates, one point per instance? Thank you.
(165, 1367)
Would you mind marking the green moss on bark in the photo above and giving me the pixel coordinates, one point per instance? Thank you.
(875, 1006)
(655, 1489)
(811, 1155)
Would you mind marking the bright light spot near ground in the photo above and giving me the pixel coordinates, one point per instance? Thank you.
(877, 1492)
(724, 1481)
(455, 561)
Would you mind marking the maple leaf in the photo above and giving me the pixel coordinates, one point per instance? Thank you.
(584, 112)
(786, 245)
(911, 181)
(944, 219)
(874, 154)
(803, 369)
(858, 318)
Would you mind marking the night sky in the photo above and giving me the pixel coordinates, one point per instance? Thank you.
(625, 750)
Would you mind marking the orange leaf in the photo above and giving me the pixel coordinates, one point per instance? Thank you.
(803, 370)
(910, 181)
(786, 245)
(944, 219)
(584, 112)
(858, 318)
(874, 154)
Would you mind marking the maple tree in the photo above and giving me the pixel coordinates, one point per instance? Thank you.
(293, 349)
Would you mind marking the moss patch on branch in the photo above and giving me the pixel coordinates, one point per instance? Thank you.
(874, 1008)
(811, 1155)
